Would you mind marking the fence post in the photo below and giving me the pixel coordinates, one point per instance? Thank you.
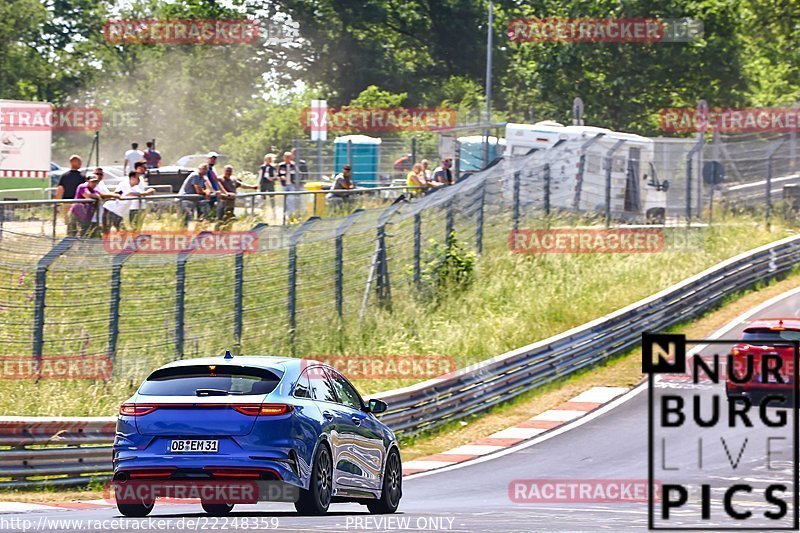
(449, 220)
(689, 156)
(180, 292)
(515, 210)
(547, 189)
(380, 263)
(417, 247)
(576, 202)
(2, 219)
(479, 224)
(341, 229)
(293, 240)
(238, 289)
(41, 289)
(609, 167)
(349, 153)
(116, 295)
(770, 153)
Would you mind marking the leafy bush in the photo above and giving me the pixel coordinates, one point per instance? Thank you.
(446, 268)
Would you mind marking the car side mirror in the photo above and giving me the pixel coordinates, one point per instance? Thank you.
(377, 406)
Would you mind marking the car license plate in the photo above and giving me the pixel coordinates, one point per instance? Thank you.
(184, 445)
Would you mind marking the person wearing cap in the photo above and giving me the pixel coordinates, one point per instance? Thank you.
(103, 192)
(213, 180)
(81, 214)
(343, 181)
(195, 183)
(443, 175)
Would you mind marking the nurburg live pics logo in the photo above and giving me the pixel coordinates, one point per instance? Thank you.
(722, 464)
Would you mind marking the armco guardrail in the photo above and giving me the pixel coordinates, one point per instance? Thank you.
(437, 401)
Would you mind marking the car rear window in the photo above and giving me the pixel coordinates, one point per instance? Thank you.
(211, 380)
(762, 334)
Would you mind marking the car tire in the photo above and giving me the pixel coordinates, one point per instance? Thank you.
(392, 489)
(316, 500)
(217, 509)
(135, 510)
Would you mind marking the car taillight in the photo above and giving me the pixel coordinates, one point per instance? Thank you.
(264, 409)
(132, 409)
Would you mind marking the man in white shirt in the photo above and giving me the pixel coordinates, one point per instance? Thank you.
(117, 211)
(132, 156)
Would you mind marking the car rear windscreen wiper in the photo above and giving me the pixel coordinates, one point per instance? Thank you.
(211, 392)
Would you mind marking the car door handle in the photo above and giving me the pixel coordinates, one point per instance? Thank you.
(328, 415)
(356, 420)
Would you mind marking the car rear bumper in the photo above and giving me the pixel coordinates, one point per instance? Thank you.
(245, 466)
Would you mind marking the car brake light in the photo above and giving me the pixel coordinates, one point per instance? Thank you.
(132, 409)
(264, 409)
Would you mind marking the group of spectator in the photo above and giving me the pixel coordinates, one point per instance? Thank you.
(151, 157)
(208, 196)
(421, 176)
(84, 218)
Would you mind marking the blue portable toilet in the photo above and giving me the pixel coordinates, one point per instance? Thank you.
(472, 151)
(364, 157)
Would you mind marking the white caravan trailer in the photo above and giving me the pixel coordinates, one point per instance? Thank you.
(577, 156)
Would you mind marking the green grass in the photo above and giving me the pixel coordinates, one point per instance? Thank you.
(515, 299)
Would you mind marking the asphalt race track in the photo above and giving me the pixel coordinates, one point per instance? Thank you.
(611, 444)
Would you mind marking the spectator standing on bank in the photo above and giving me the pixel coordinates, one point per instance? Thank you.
(302, 166)
(131, 157)
(443, 175)
(416, 178)
(104, 193)
(81, 214)
(267, 175)
(213, 180)
(152, 156)
(67, 185)
(134, 216)
(426, 169)
(117, 211)
(195, 183)
(289, 174)
(227, 190)
(342, 182)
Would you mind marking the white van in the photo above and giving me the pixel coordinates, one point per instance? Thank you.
(578, 173)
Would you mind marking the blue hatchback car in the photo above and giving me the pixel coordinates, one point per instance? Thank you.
(278, 419)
